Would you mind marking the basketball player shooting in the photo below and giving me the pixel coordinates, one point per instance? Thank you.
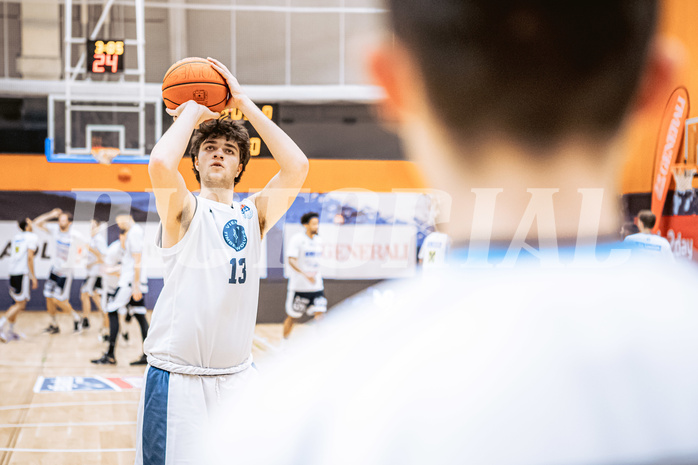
(199, 343)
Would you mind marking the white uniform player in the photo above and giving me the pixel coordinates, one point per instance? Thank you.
(199, 346)
(24, 247)
(123, 301)
(434, 250)
(19, 273)
(92, 288)
(305, 297)
(67, 245)
(129, 297)
(111, 270)
(63, 261)
(93, 275)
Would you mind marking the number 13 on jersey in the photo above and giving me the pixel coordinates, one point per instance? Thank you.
(233, 273)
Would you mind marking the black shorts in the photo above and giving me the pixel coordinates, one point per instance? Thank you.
(305, 303)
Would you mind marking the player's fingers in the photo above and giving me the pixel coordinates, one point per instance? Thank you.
(174, 112)
(215, 62)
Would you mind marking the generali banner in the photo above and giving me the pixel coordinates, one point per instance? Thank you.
(668, 148)
(363, 251)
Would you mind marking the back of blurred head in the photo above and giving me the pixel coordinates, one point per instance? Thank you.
(536, 71)
(520, 94)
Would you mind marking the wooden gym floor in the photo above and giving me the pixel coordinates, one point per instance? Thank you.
(78, 427)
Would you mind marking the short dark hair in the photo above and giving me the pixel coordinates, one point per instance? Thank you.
(647, 218)
(537, 70)
(22, 224)
(305, 219)
(226, 127)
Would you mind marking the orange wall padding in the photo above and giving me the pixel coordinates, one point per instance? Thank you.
(678, 18)
(34, 173)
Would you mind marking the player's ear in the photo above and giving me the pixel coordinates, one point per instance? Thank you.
(666, 63)
(393, 69)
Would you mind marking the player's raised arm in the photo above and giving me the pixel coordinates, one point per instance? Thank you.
(174, 202)
(278, 195)
(39, 221)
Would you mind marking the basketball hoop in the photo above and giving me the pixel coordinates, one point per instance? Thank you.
(683, 177)
(104, 155)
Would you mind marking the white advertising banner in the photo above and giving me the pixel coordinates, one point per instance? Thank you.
(363, 251)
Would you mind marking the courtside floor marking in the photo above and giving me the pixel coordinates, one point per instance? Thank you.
(48, 425)
(67, 404)
(82, 451)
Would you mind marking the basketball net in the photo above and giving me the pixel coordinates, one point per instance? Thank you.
(104, 155)
(683, 177)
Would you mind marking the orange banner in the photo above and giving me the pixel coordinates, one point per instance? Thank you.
(668, 148)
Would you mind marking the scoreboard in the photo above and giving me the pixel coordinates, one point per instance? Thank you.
(105, 56)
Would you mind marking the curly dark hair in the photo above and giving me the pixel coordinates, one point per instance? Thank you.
(225, 127)
(305, 219)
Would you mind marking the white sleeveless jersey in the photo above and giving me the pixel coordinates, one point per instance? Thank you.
(21, 244)
(203, 321)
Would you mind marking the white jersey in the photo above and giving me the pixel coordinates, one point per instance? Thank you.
(308, 252)
(112, 260)
(21, 243)
(651, 243)
(204, 319)
(513, 366)
(67, 246)
(133, 245)
(99, 243)
(434, 250)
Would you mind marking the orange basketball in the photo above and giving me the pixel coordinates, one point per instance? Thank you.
(194, 79)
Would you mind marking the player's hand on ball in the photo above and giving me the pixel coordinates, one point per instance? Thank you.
(236, 93)
(203, 113)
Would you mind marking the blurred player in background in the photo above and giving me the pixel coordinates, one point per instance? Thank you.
(647, 242)
(129, 296)
(306, 291)
(92, 289)
(25, 245)
(57, 288)
(535, 347)
(200, 340)
(111, 270)
(434, 250)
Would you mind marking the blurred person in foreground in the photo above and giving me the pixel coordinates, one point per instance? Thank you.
(535, 346)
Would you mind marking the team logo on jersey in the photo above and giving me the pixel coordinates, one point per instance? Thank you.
(246, 211)
(234, 235)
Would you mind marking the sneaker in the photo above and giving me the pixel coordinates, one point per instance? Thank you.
(105, 360)
(77, 327)
(141, 361)
(52, 329)
(104, 337)
(3, 338)
(12, 336)
(85, 323)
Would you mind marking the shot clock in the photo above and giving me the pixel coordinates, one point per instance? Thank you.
(105, 56)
